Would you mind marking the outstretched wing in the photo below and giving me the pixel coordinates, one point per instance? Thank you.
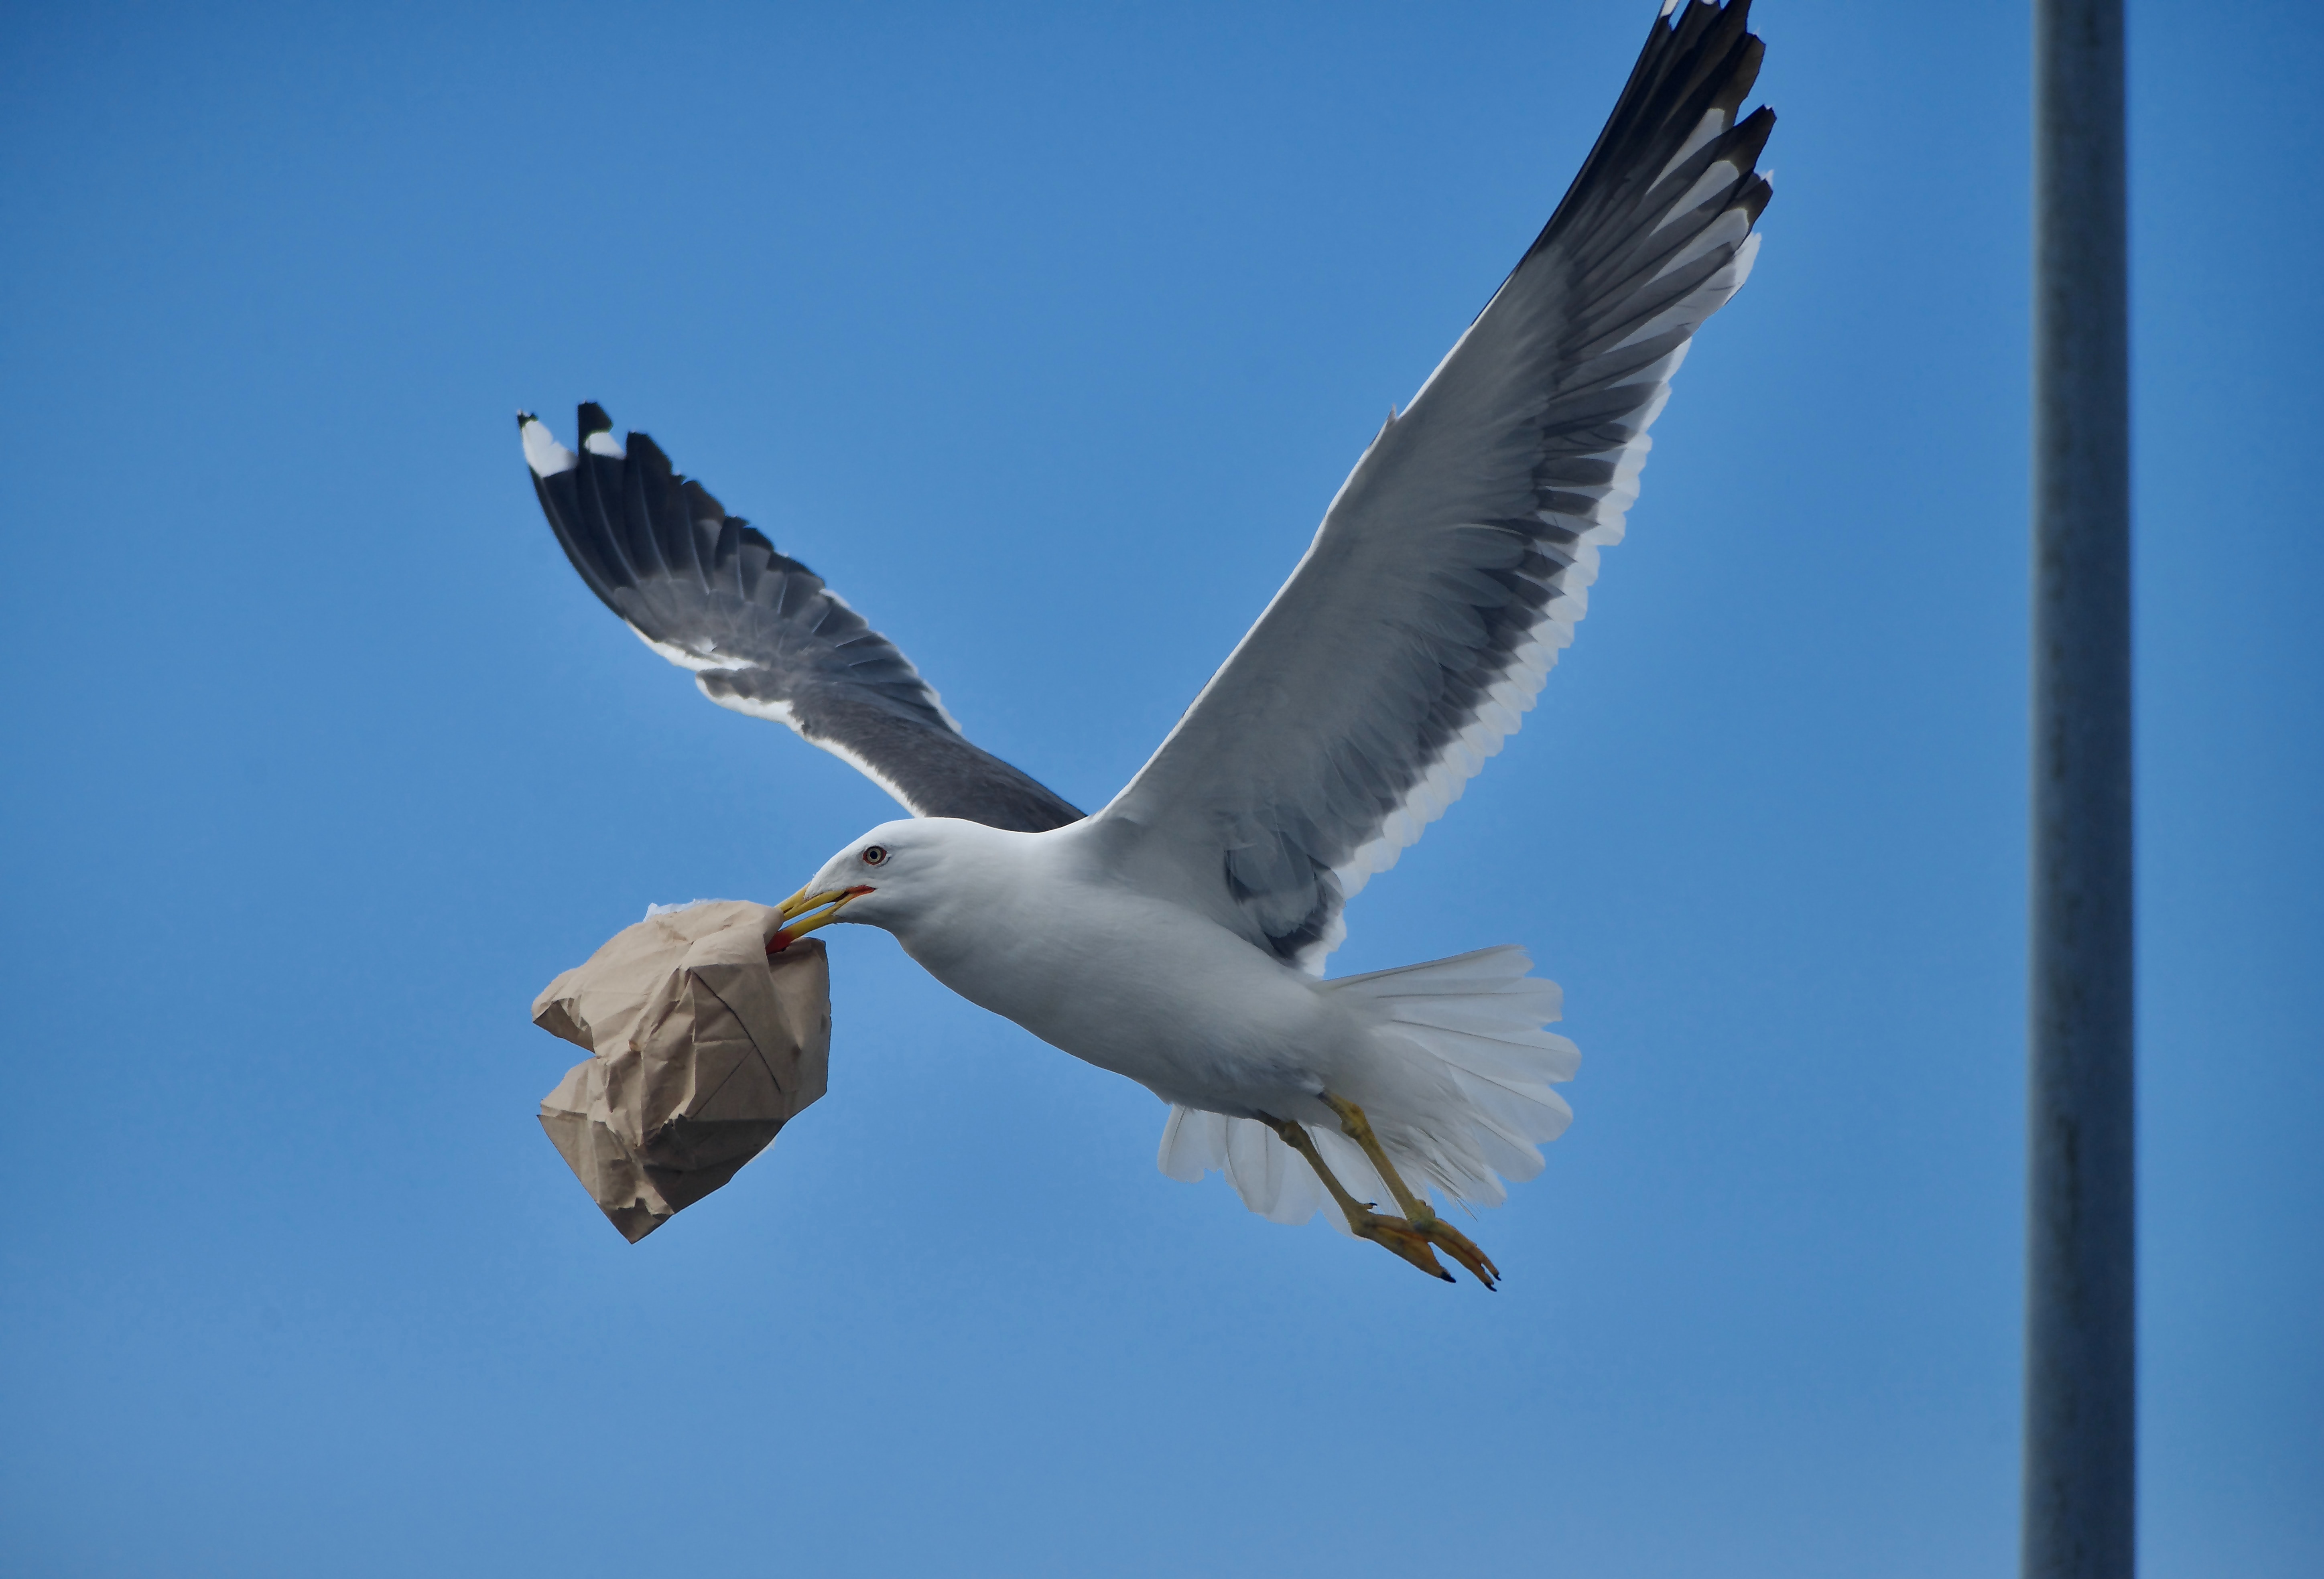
(761, 633)
(1454, 561)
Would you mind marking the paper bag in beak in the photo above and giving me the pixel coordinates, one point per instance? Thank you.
(702, 1046)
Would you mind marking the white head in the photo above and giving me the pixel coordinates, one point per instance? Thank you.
(899, 873)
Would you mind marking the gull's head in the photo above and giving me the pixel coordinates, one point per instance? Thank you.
(883, 877)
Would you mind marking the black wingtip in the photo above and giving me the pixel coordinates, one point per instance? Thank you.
(643, 448)
(522, 417)
(593, 419)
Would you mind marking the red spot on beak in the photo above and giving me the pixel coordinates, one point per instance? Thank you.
(784, 938)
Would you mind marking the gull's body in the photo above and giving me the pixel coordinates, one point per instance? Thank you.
(1038, 929)
(1035, 927)
(1177, 936)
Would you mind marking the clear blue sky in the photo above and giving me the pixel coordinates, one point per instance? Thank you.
(1046, 334)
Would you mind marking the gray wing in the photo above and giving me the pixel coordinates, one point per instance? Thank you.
(761, 633)
(1454, 561)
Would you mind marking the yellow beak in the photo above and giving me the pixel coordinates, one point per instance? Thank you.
(804, 911)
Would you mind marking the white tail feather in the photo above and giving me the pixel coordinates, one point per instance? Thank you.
(1477, 1019)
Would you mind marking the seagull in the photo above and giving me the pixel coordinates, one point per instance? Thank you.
(1177, 936)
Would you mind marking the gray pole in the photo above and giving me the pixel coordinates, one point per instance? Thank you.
(2080, 1322)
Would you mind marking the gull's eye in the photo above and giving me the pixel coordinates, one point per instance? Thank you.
(874, 854)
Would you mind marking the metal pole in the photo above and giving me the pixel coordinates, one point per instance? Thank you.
(2080, 1327)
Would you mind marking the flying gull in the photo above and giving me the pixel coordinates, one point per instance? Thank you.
(1177, 936)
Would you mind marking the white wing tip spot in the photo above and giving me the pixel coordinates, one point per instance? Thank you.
(542, 452)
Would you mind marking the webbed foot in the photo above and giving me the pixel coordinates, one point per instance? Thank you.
(1434, 1230)
(1399, 1237)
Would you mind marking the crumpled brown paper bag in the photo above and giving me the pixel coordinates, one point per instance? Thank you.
(702, 1046)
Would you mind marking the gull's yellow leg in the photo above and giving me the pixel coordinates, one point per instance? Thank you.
(1417, 1212)
(1362, 1221)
